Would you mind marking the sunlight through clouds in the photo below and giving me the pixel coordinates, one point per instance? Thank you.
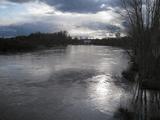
(96, 24)
(38, 8)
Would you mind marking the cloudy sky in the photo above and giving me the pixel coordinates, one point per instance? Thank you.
(88, 18)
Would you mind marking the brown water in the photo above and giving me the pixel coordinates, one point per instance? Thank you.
(67, 83)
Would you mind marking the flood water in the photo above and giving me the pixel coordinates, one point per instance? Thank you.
(66, 83)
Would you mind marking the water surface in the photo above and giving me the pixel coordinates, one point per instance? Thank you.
(67, 83)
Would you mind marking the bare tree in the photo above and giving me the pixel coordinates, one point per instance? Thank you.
(118, 34)
(144, 21)
(143, 17)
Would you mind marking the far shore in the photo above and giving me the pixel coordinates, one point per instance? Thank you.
(39, 41)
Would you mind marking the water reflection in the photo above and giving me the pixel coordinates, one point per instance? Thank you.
(101, 87)
(101, 90)
(104, 94)
(63, 83)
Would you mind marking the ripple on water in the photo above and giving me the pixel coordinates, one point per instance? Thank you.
(72, 83)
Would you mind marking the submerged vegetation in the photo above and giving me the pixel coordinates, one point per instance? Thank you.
(144, 28)
(144, 21)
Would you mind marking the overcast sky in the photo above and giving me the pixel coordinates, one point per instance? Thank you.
(88, 18)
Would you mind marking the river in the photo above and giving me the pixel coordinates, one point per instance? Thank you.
(63, 83)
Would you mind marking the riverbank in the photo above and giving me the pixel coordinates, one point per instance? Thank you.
(33, 42)
(145, 104)
(40, 41)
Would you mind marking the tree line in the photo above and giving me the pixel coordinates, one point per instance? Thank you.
(33, 41)
(39, 40)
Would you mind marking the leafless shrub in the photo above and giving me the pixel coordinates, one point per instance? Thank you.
(144, 21)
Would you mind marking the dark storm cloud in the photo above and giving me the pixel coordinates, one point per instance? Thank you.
(78, 17)
(26, 29)
(20, 1)
(76, 5)
(79, 6)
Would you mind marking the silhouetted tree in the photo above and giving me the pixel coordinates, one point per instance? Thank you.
(34, 41)
(118, 34)
(143, 17)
